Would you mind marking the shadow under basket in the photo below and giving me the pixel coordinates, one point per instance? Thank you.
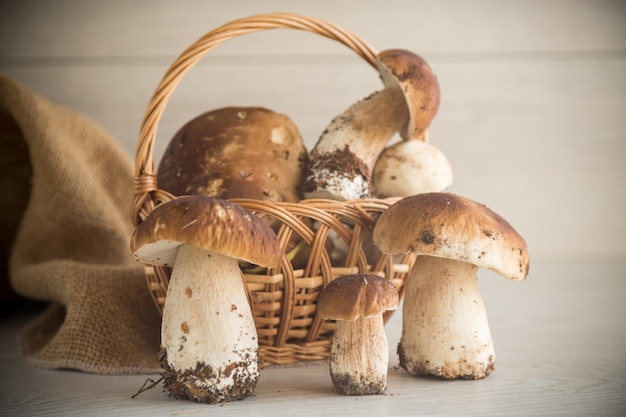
(331, 238)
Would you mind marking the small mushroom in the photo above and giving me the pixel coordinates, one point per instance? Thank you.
(344, 156)
(359, 352)
(210, 350)
(236, 152)
(445, 331)
(411, 167)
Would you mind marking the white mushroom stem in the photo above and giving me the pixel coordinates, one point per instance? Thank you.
(344, 156)
(208, 336)
(359, 356)
(445, 331)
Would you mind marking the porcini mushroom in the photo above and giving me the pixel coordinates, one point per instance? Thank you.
(445, 331)
(411, 167)
(208, 336)
(420, 86)
(236, 152)
(343, 158)
(359, 352)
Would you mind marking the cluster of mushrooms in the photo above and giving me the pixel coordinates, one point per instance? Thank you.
(209, 344)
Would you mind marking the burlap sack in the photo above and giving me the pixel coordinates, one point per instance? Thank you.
(67, 188)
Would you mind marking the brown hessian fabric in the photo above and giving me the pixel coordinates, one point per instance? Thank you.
(67, 188)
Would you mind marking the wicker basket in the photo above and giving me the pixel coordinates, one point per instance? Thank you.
(283, 299)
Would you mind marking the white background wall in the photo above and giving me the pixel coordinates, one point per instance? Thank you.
(533, 111)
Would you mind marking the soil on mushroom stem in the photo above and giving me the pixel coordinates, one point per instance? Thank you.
(449, 370)
(350, 164)
(358, 385)
(183, 384)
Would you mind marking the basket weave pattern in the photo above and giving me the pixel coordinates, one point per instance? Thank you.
(283, 299)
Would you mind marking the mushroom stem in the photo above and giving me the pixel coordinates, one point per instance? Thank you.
(344, 156)
(445, 330)
(208, 337)
(359, 356)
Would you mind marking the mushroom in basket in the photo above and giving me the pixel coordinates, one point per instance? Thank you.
(238, 152)
(235, 152)
(444, 323)
(344, 156)
(411, 167)
(359, 352)
(210, 350)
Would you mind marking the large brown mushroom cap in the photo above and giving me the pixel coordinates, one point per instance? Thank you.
(361, 295)
(235, 152)
(411, 72)
(449, 226)
(214, 225)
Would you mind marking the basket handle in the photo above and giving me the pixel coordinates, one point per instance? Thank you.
(146, 194)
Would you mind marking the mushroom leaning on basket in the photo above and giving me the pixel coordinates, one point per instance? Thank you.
(236, 152)
(344, 156)
(359, 352)
(445, 331)
(210, 350)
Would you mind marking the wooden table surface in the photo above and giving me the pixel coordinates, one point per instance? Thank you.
(560, 343)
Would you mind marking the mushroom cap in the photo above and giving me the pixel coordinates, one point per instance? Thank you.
(235, 152)
(411, 167)
(214, 225)
(411, 72)
(449, 226)
(359, 295)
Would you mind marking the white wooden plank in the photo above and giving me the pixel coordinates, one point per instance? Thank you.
(540, 143)
(117, 97)
(559, 341)
(147, 28)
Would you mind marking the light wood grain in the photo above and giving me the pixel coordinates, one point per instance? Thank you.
(144, 28)
(542, 143)
(560, 346)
